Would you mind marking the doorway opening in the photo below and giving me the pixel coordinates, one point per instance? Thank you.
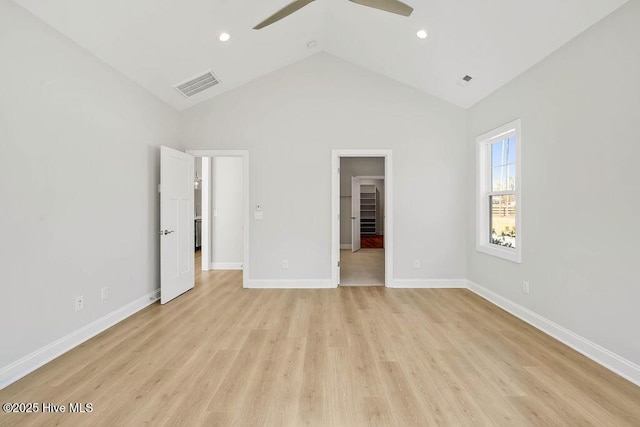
(197, 211)
(362, 243)
(221, 207)
(362, 221)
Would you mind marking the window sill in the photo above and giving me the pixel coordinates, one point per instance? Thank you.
(509, 254)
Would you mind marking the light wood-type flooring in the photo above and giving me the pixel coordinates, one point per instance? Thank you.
(362, 268)
(362, 356)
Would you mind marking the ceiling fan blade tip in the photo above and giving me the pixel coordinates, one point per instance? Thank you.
(392, 6)
(283, 13)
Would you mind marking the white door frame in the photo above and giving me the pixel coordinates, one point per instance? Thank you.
(246, 209)
(388, 208)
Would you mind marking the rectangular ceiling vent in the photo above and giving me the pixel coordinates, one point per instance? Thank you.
(197, 84)
(465, 80)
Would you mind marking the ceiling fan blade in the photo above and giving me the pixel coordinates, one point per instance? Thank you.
(283, 13)
(393, 6)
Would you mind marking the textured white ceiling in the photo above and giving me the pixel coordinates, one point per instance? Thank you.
(159, 43)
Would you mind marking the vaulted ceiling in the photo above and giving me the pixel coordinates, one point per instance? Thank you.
(160, 43)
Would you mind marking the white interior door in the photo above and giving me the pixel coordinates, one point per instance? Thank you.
(176, 224)
(355, 213)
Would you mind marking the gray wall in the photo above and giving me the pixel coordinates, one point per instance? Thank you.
(580, 111)
(227, 178)
(79, 169)
(350, 167)
(291, 119)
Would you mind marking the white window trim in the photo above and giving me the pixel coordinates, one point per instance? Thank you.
(483, 180)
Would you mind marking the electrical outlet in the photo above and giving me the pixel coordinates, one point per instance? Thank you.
(104, 294)
(416, 263)
(79, 303)
(525, 287)
(285, 263)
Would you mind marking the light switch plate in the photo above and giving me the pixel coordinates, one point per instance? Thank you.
(259, 215)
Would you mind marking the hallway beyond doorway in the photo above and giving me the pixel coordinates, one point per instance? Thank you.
(362, 268)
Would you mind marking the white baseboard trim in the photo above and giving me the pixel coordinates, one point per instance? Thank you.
(289, 284)
(345, 245)
(358, 285)
(593, 351)
(226, 266)
(33, 361)
(427, 283)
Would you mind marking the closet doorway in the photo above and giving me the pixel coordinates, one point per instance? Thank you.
(361, 193)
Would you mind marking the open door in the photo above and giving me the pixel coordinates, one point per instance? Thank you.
(355, 214)
(176, 224)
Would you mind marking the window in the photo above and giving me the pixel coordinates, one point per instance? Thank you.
(499, 209)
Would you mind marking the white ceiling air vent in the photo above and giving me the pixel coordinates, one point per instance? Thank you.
(197, 84)
(465, 80)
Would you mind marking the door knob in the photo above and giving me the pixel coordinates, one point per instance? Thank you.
(165, 232)
(353, 217)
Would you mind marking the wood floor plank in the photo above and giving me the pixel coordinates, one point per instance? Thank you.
(375, 411)
(407, 410)
(359, 356)
(312, 393)
(288, 384)
(237, 378)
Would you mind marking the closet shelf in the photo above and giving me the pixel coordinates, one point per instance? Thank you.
(368, 214)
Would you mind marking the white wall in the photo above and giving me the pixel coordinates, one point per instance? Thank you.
(197, 193)
(580, 111)
(227, 199)
(79, 168)
(291, 119)
(350, 167)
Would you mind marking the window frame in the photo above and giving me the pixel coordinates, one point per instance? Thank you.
(484, 191)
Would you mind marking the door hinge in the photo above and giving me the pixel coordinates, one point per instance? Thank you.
(159, 188)
(338, 171)
(338, 264)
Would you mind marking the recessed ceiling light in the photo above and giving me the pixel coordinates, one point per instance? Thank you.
(312, 44)
(224, 37)
(422, 34)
